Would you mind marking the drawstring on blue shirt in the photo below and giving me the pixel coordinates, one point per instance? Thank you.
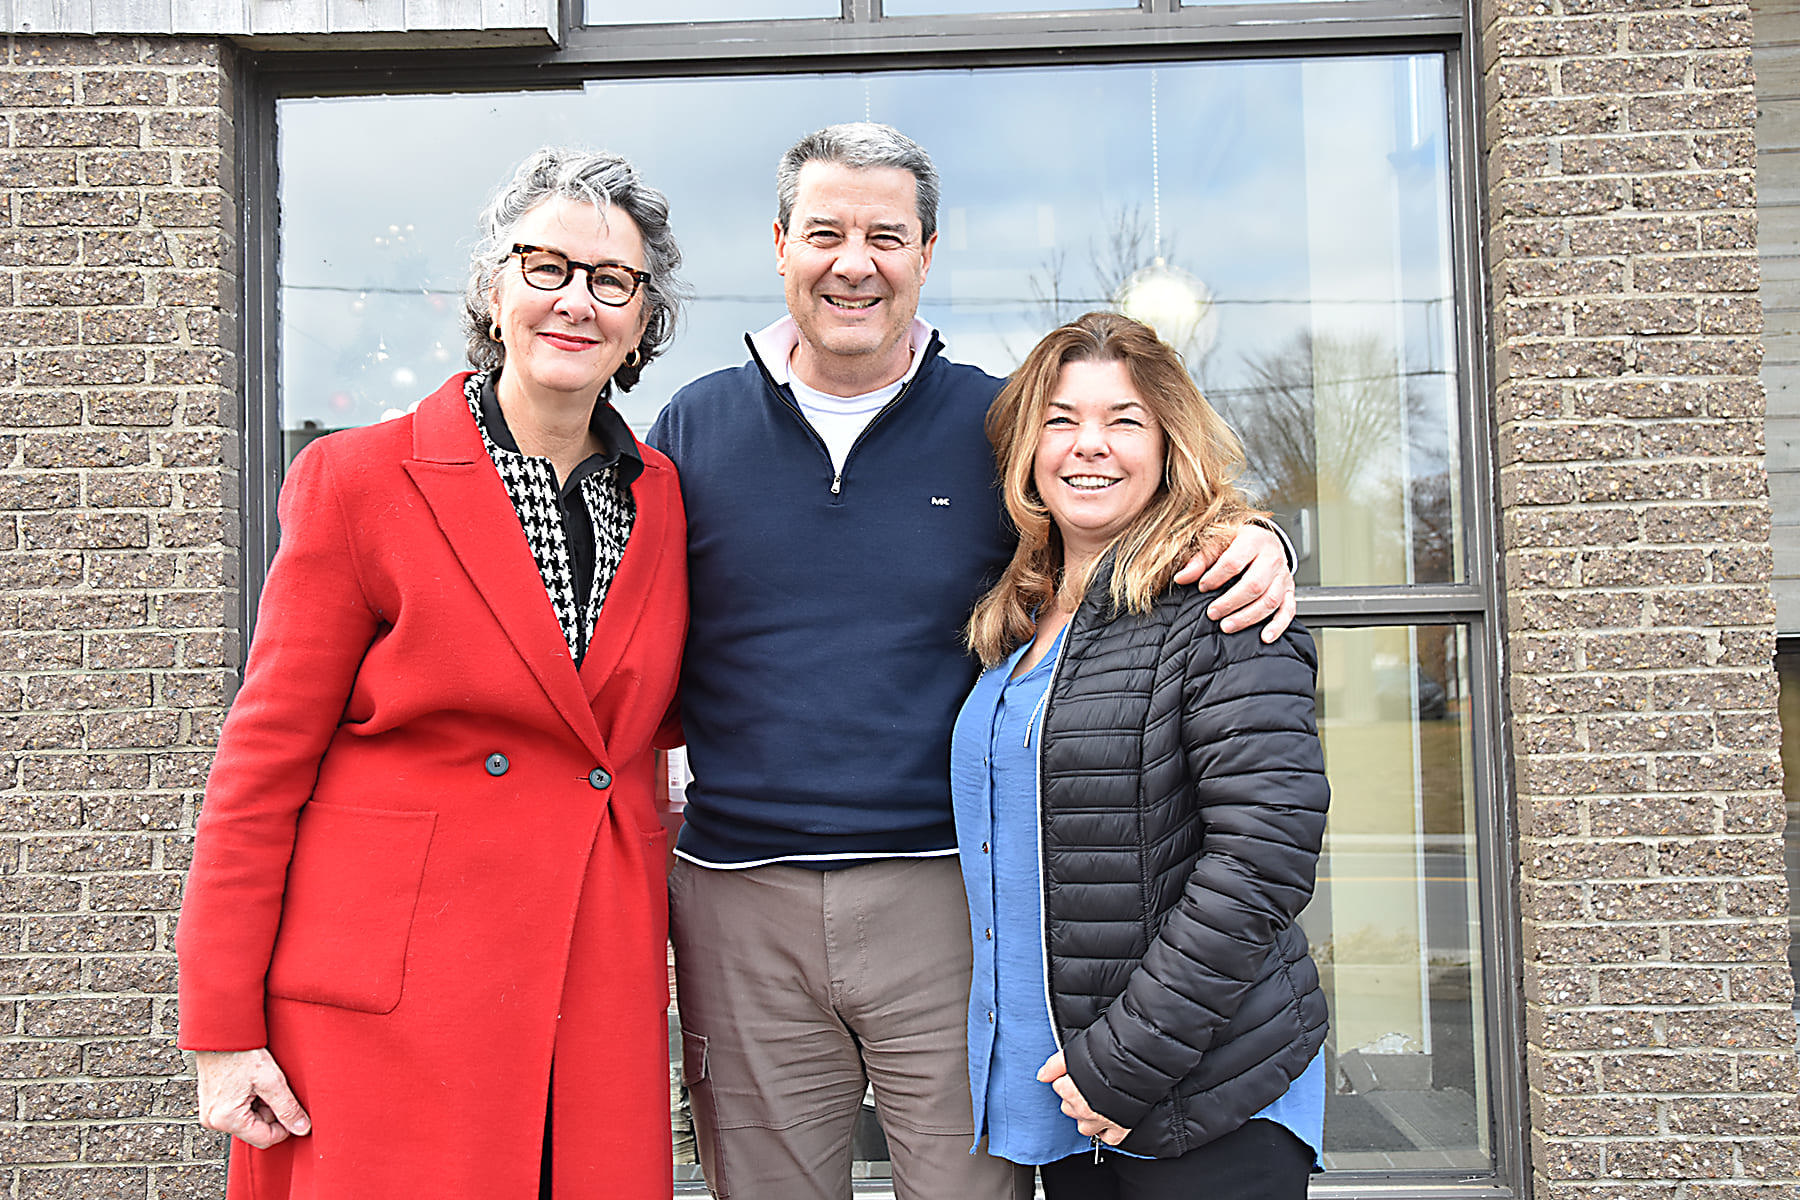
(1036, 713)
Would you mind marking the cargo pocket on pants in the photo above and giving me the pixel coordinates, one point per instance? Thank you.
(706, 1118)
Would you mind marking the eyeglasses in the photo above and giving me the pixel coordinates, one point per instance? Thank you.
(612, 284)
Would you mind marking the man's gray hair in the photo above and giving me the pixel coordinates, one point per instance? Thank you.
(859, 144)
(604, 181)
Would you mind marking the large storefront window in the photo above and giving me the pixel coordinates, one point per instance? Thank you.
(1287, 221)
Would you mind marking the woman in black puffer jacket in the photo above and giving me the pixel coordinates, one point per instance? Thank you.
(1140, 799)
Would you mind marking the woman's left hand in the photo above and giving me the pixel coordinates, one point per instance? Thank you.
(1056, 1073)
(245, 1094)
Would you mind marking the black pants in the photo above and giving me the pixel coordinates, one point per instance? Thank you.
(544, 1168)
(1260, 1161)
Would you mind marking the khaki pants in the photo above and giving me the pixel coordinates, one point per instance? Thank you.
(800, 988)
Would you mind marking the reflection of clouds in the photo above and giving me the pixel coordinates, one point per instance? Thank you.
(933, 8)
(647, 12)
(1034, 162)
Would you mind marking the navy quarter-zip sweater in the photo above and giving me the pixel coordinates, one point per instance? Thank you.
(824, 664)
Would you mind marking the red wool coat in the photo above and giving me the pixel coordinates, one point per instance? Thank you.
(428, 863)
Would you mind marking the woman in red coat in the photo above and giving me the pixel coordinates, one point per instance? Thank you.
(422, 945)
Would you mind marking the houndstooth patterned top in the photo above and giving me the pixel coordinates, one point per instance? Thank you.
(606, 494)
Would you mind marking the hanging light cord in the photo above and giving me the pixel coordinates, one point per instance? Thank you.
(1155, 173)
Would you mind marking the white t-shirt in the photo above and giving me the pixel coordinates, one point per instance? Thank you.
(838, 420)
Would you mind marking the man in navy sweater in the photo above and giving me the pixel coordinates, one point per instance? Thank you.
(842, 521)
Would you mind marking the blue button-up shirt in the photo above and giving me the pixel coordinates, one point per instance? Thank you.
(994, 782)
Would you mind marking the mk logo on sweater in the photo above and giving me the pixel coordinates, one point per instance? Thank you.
(941, 501)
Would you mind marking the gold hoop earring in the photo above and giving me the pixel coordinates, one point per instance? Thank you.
(634, 357)
(494, 331)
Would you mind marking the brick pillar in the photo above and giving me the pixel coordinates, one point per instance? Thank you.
(1620, 163)
(118, 573)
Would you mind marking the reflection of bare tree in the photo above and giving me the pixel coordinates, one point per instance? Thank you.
(1048, 295)
(1434, 530)
(1318, 418)
(1127, 246)
(1325, 420)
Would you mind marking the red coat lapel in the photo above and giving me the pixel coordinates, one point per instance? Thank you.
(453, 472)
(630, 591)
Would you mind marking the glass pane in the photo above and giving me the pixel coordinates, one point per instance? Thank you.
(932, 8)
(675, 12)
(1216, 3)
(1395, 923)
(1284, 221)
(1787, 669)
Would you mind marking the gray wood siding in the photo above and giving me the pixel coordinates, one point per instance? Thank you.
(1776, 25)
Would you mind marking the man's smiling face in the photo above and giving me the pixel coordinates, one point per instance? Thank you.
(853, 260)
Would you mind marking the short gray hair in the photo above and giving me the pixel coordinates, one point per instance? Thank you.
(859, 144)
(603, 180)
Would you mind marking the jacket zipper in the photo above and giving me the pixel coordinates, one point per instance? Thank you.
(1043, 862)
(837, 473)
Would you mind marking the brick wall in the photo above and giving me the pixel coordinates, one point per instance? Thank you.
(118, 568)
(1620, 160)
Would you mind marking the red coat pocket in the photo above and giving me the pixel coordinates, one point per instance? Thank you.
(347, 913)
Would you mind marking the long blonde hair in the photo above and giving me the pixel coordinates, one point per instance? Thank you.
(1193, 505)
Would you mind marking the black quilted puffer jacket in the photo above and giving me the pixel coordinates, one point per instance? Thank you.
(1184, 799)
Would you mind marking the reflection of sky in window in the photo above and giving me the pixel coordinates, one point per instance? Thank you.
(934, 8)
(665, 12)
(1040, 167)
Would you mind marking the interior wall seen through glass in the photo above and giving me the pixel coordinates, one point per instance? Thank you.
(1395, 921)
(1284, 222)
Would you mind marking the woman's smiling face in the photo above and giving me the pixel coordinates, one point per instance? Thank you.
(564, 341)
(1099, 457)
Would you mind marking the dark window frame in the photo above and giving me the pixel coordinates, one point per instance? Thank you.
(861, 40)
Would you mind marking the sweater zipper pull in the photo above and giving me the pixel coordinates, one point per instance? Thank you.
(837, 484)
(1096, 1141)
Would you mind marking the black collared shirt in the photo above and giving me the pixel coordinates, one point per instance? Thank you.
(577, 529)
